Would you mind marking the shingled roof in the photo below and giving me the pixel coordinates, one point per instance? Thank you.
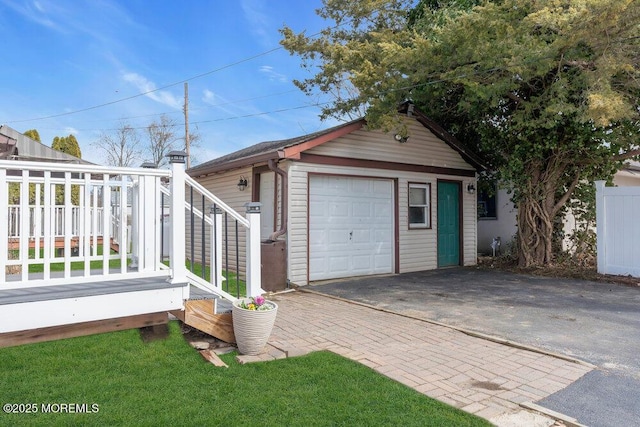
(261, 152)
(16, 146)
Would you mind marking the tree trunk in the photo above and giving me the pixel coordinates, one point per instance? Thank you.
(535, 234)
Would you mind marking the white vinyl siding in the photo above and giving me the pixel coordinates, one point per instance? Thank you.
(422, 148)
(417, 247)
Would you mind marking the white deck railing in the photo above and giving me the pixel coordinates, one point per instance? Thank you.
(37, 229)
(66, 203)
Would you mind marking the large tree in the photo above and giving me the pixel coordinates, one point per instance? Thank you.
(33, 134)
(161, 139)
(67, 144)
(120, 148)
(548, 91)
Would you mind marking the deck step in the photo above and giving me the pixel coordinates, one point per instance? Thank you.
(201, 314)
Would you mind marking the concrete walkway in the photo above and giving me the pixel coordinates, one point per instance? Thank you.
(477, 375)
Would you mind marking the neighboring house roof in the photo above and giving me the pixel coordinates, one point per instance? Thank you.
(291, 148)
(7, 146)
(632, 166)
(16, 146)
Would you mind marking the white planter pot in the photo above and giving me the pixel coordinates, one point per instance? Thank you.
(252, 328)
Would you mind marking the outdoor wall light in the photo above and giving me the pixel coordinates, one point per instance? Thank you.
(471, 188)
(242, 184)
(401, 139)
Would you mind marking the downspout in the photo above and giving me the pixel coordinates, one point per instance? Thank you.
(283, 201)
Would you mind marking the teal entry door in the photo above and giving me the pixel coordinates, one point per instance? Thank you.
(448, 223)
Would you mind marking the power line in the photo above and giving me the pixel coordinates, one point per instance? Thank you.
(222, 119)
(233, 64)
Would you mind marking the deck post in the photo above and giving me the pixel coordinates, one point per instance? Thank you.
(601, 247)
(4, 221)
(215, 261)
(254, 264)
(177, 218)
(135, 223)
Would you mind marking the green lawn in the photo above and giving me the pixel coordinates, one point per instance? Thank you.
(166, 382)
(75, 265)
(232, 285)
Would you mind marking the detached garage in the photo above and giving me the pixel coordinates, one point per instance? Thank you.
(349, 202)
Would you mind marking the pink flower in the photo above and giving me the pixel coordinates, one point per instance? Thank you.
(259, 300)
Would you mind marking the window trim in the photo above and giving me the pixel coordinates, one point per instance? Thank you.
(422, 226)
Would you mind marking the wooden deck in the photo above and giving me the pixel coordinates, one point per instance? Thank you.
(14, 243)
(46, 313)
(80, 290)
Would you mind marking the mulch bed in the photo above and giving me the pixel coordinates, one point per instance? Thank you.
(565, 269)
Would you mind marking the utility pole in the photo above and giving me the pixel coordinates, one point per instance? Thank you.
(186, 124)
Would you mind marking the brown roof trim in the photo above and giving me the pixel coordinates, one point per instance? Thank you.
(377, 164)
(234, 164)
(293, 152)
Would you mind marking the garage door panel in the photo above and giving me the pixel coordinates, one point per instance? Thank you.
(361, 263)
(318, 209)
(339, 264)
(338, 237)
(356, 236)
(339, 209)
(361, 236)
(361, 210)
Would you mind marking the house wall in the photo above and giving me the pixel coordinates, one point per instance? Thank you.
(225, 186)
(417, 247)
(422, 148)
(627, 178)
(503, 226)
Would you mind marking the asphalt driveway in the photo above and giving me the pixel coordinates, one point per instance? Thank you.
(591, 321)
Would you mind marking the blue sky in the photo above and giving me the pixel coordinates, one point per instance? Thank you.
(61, 56)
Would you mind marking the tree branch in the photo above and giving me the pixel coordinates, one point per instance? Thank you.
(565, 197)
(627, 155)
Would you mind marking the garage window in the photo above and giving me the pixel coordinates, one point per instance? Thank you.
(419, 206)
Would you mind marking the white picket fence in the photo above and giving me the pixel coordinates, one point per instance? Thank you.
(618, 229)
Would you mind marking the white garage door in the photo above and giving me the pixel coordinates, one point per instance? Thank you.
(350, 227)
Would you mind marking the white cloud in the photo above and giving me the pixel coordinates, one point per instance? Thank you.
(272, 75)
(208, 97)
(149, 89)
(255, 13)
(36, 12)
(215, 100)
(71, 130)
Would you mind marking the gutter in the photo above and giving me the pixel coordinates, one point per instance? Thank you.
(283, 201)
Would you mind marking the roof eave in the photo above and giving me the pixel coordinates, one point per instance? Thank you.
(233, 164)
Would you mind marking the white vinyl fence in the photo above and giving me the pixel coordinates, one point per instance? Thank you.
(618, 228)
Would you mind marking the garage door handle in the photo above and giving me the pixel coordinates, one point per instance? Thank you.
(350, 235)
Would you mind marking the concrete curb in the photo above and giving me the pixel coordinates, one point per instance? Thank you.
(497, 340)
(568, 421)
